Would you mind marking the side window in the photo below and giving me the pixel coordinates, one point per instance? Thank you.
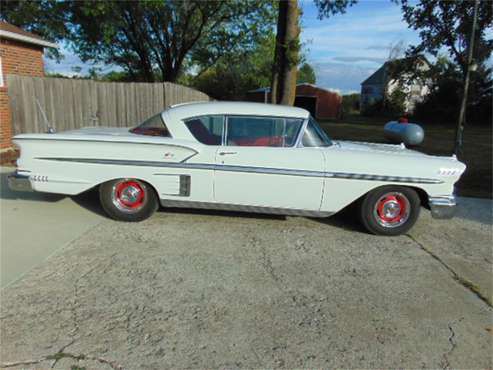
(314, 136)
(262, 131)
(293, 127)
(207, 129)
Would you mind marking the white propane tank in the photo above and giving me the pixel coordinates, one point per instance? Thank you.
(407, 133)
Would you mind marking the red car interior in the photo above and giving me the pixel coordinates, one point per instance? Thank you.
(260, 141)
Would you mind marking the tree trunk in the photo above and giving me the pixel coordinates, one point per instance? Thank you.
(286, 59)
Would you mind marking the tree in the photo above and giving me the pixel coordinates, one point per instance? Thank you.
(456, 26)
(46, 18)
(306, 74)
(328, 8)
(151, 40)
(447, 24)
(350, 104)
(444, 99)
(238, 72)
(396, 50)
(287, 52)
(286, 57)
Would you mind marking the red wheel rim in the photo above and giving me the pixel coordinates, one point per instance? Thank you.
(129, 195)
(392, 210)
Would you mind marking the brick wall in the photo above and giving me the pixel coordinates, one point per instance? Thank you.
(5, 119)
(20, 59)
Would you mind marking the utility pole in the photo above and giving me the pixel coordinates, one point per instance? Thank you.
(462, 115)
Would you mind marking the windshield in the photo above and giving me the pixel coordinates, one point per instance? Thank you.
(153, 126)
(314, 135)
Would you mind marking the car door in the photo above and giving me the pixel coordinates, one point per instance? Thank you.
(208, 131)
(260, 165)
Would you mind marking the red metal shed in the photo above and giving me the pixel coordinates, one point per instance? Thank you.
(320, 102)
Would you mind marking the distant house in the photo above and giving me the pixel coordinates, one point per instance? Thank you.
(320, 102)
(21, 53)
(382, 84)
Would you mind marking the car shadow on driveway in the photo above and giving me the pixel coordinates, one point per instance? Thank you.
(345, 219)
(90, 201)
(473, 209)
(219, 213)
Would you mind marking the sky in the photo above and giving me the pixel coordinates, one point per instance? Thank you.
(347, 48)
(344, 49)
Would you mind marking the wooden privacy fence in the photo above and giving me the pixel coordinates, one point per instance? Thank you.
(70, 104)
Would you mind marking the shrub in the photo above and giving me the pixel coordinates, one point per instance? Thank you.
(393, 106)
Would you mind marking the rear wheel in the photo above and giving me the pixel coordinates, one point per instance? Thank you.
(128, 199)
(390, 210)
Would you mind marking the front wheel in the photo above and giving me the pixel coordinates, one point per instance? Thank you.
(128, 199)
(390, 210)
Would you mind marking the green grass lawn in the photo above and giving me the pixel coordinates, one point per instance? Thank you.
(439, 140)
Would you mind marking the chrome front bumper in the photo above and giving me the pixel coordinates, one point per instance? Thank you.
(18, 182)
(443, 207)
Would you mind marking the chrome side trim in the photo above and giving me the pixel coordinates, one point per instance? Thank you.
(190, 156)
(126, 162)
(248, 169)
(112, 141)
(269, 171)
(243, 208)
(369, 177)
(443, 207)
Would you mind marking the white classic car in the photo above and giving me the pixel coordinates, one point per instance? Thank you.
(238, 156)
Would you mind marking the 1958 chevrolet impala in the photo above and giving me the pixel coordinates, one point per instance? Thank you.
(238, 156)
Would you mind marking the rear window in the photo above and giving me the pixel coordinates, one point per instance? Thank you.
(207, 129)
(153, 126)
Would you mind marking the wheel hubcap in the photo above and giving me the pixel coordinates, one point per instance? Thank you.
(128, 195)
(392, 210)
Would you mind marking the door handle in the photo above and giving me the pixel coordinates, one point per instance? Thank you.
(227, 153)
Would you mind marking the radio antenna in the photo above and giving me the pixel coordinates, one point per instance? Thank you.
(49, 128)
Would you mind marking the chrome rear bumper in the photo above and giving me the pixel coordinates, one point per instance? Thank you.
(443, 207)
(18, 182)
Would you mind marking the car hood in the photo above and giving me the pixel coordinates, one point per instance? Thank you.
(390, 160)
(390, 149)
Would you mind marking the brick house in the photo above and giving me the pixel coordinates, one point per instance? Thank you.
(21, 53)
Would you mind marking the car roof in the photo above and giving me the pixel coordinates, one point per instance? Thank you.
(194, 109)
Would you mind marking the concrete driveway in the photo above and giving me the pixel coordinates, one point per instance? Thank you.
(35, 225)
(210, 289)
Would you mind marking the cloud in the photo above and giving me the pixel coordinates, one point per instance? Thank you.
(343, 77)
(345, 49)
(71, 61)
(359, 59)
(378, 47)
